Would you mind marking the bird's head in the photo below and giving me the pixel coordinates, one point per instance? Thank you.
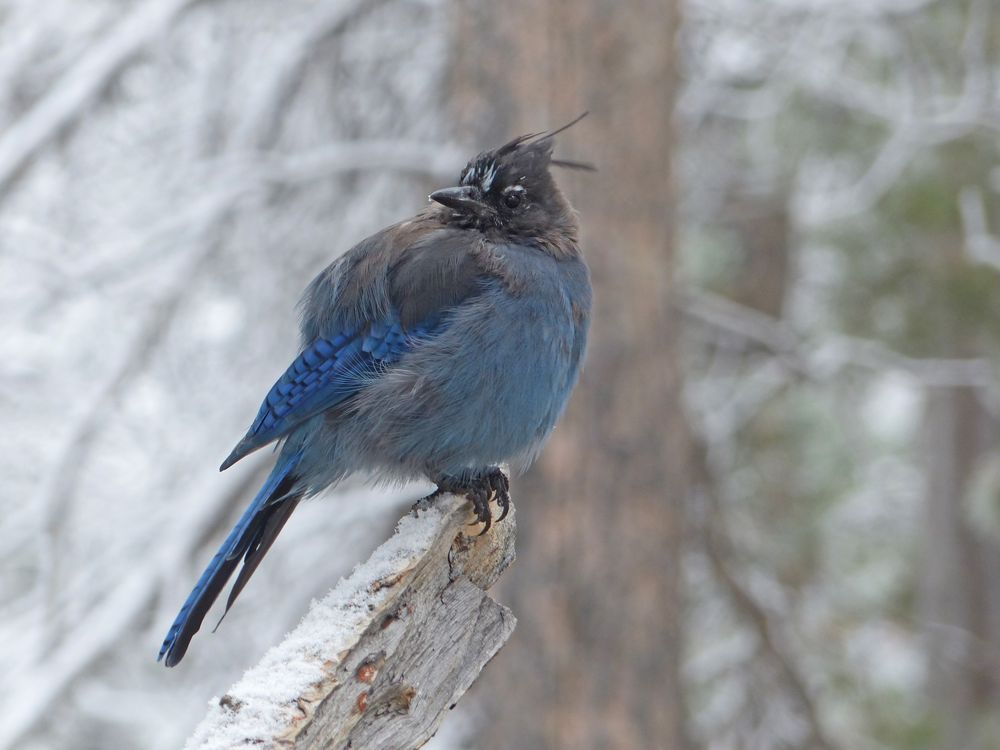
(511, 189)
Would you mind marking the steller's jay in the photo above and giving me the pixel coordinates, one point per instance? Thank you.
(441, 347)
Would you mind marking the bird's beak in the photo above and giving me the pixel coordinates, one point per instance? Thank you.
(465, 198)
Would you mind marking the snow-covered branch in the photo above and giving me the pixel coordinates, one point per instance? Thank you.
(290, 65)
(980, 245)
(69, 98)
(773, 642)
(383, 656)
(828, 358)
(101, 630)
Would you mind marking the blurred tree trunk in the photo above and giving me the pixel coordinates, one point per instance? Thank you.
(594, 662)
(958, 595)
(762, 223)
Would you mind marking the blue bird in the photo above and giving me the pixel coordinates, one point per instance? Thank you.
(442, 347)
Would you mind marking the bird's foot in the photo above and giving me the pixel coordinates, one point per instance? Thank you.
(492, 485)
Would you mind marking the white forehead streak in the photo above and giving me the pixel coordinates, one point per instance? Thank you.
(487, 181)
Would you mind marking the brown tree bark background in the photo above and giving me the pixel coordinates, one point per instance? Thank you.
(595, 660)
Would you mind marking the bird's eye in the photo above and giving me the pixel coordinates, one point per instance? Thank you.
(512, 198)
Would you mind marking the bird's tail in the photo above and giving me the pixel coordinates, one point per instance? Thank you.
(250, 539)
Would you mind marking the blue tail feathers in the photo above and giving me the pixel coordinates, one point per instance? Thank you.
(251, 538)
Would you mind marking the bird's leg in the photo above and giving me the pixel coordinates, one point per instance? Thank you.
(479, 491)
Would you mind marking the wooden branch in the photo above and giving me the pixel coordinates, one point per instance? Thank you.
(386, 653)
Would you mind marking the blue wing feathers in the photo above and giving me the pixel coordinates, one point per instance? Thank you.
(326, 373)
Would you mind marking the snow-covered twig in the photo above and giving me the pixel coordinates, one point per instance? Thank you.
(239, 178)
(383, 656)
(101, 629)
(980, 245)
(70, 97)
(262, 127)
(827, 359)
(438, 160)
(773, 641)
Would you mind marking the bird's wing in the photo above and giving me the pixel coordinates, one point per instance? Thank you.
(394, 301)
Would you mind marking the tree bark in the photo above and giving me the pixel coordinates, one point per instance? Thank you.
(955, 582)
(596, 662)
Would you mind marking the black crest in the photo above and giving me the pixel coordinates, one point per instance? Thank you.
(527, 156)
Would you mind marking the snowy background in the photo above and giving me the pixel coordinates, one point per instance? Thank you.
(172, 174)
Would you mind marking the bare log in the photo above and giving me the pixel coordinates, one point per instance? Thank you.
(381, 659)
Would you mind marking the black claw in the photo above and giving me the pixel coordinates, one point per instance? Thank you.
(480, 498)
(492, 485)
(504, 507)
(487, 519)
(500, 486)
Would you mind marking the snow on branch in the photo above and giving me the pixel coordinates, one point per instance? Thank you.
(980, 245)
(289, 67)
(99, 632)
(826, 359)
(386, 653)
(774, 641)
(69, 98)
